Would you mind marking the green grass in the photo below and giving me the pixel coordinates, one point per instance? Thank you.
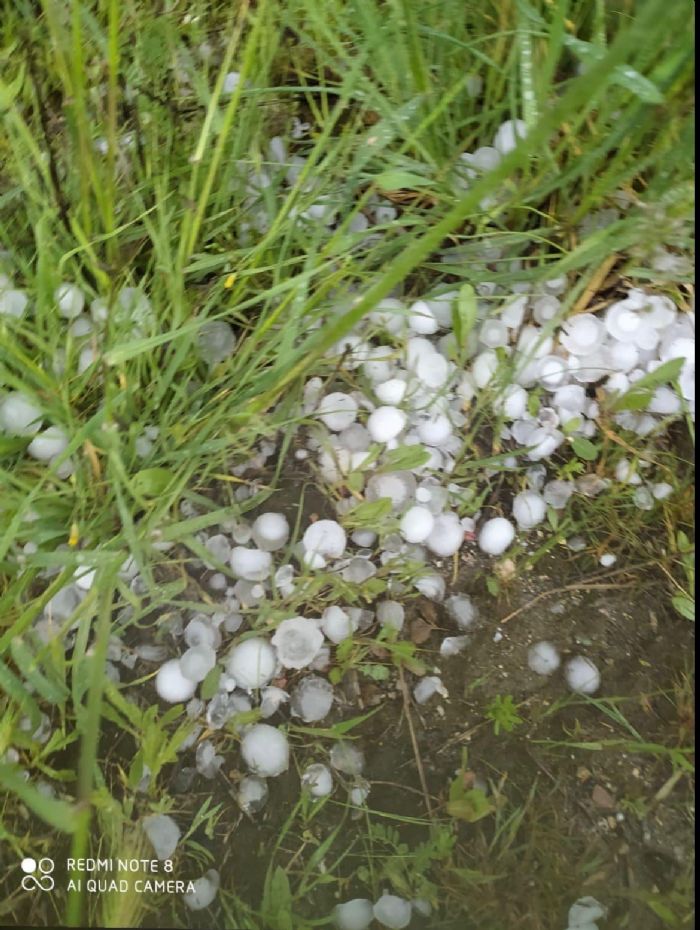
(386, 88)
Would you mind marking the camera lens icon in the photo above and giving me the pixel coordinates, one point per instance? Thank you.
(37, 882)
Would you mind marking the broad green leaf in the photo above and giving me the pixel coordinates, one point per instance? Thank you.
(685, 606)
(150, 482)
(210, 685)
(8, 91)
(277, 902)
(396, 179)
(368, 514)
(585, 449)
(470, 805)
(404, 458)
(637, 84)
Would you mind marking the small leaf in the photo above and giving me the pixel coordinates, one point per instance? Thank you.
(150, 482)
(641, 391)
(637, 84)
(368, 514)
(585, 449)
(464, 315)
(404, 458)
(685, 606)
(210, 685)
(472, 806)
(396, 179)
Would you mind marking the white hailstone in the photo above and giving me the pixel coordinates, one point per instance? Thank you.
(421, 318)
(312, 699)
(544, 442)
(545, 308)
(325, 538)
(70, 300)
(584, 913)
(512, 403)
(662, 490)
(643, 499)
(462, 610)
(513, 312)
(484, 367)
(358, 570)
(163, 834)
(231, 82)
(317, 780)
(389, 313)
(364, 538)
(627, 473)
(543, 658)
(271, 699)
(171, 684)
(391, 392)
(12, 302)
(205, 889)
(496, 536)
(391, 614)
(265, 750)
(431, 586)
(386, 423)
(441, 306)
(353, 915)
(337, 624)
(218, 547)
(432, 369)
(346, 758)
(427, 687)
(607, 559)
(252, 794)
(216, 341)
(86, 357)
(582, 676)
(571, 398)
(359, 793)
(557, 493)
(529, 509)
(508, 134)
(197, 662)
(392, 912)
(252, 663)
(434, 430)
(297, 641)
(665, 401)
(622, 356)
(482, 159)
(84, 577)
(398, 486)
(494, 334)
(416, 524)
(250, 564)
(47, 444)
(337, 411)
(446, 536)
(552, 371)
(19, 416)
(583, 334)
(453, 645)
(270, 531)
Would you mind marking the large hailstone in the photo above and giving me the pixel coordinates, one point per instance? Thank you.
(70, 300)
(416, 524)
(297, 641)
(508, 134)
(312, 699)
(529, 509)
(318, 781)
(216, 341)
(583, 334)
(252, 663)
(252, 794)
(47, 444)
(582, 676)
(353, 915)
(392, 912)
(163, 834)
(496, 535)
(19, 416)
(337, 411)
(250, 564)
(270, 531)
(205, 889)
(543, 658)
(337, 624)
(172, 686)
(347, 758)
(385, 423)
(265, 750)
(446, 536)
(197, 662)
(421, 318)
(326, 539)
(584, 912)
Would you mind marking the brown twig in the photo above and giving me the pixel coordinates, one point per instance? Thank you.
(414, 743)
(578, 586)
(592, 287)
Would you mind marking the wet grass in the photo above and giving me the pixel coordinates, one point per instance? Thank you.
(161, 205)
